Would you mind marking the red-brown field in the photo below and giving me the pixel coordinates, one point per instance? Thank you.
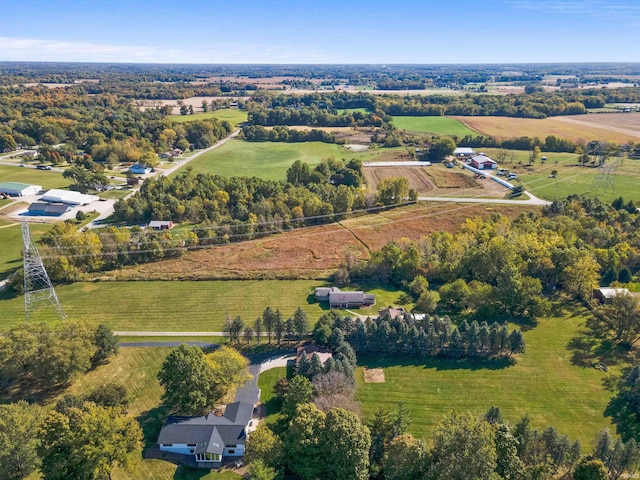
(314, 252)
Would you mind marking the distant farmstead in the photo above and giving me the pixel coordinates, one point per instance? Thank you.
(339, 299)
(16, 189)
(482, 162)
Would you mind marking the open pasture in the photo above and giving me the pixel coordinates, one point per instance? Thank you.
(270, 160)
(46, 178)
(543, 383)
(232, 115)
(436, 125)
(508, 127)
(417, 177)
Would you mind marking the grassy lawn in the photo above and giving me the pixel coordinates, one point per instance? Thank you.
(48, 179)
(11, 246)
(173, 306)
(341, 111)
(118, 194)
(137, 369)
(234, 116)
(437, 125)
(5, 201)
(269, 160)
(543, 383)
(266, 382)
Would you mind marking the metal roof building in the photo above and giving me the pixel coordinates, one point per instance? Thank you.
(70, 198)
(19, 189)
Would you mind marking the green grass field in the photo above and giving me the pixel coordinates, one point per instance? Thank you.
(266, 382)
(118, 194)
(48, 179)
(234, 116)
(173, 306)
(341, 111)
(5, 201)
(543, 383)
(11, 246)
(270, 160)
(437, 125)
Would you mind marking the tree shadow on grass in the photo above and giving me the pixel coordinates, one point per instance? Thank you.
(151, 422)
(625, 418)
(496, 363)
(188, 473)
(590, 349)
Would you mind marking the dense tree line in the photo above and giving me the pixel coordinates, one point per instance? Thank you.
(47, 355)
(313, 116)
(427, 336)
(257, 133)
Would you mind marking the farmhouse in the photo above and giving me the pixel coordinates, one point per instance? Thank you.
(310, 350)
(70, 198)
(140, 169)
(19, 189)
(482, 162)
(30, 154)
(350, 299)
(322, 293)
(607, 294)
(161, 225)
(208, 439)
(48, 209)
(464, 152)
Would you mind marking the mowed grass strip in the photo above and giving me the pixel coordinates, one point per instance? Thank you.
(269, 160)
(46, 178)
(437, 125)
(234, 116)
(174, 306)
(266, 381)
(543, 383)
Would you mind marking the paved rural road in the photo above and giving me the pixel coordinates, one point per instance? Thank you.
(533, 200)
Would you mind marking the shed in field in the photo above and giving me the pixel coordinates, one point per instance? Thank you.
(161, 225)
(464, 152)
(17, 189)
(607, 294)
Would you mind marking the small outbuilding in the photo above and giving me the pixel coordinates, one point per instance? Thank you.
(482, 162)
(607, 294)
(464, 152)
(16, 189)
(160, 225)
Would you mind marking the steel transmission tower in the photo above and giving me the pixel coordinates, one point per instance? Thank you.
(38, 290)
(607, 175)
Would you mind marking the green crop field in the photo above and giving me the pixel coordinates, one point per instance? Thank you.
(270, 160)
(173, 305)
(543, 383)
(48, 179)
(437, 125)
(234, 116)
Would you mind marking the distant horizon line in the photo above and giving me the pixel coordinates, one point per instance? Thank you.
(382, 64)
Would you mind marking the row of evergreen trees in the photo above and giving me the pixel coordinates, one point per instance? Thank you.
(427, 336)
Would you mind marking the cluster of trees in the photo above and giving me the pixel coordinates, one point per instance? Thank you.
(401, 84)
(501, 265)
(280, 133)
(343, 358)
(313, 116)
(239, 204)
(194, 382)
(44, 355)
(426, 336)
(82, 438)
(550, 144)
(336, 172)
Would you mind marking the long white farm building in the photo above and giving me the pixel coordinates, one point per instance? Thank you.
(16, 189)
(70, 198)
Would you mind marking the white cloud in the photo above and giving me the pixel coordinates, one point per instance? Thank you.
(35, 49)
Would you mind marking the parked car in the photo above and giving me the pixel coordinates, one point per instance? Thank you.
(512, 176)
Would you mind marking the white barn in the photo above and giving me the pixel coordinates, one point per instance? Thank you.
(70, 198)
(17, 189)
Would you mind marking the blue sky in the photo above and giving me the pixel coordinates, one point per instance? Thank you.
(328, 31)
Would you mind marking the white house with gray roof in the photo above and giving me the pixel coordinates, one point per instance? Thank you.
(209, 438)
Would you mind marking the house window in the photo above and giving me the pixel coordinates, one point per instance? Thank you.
(231, 452)
(191, 444)
(231, 446)
(167, 444)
